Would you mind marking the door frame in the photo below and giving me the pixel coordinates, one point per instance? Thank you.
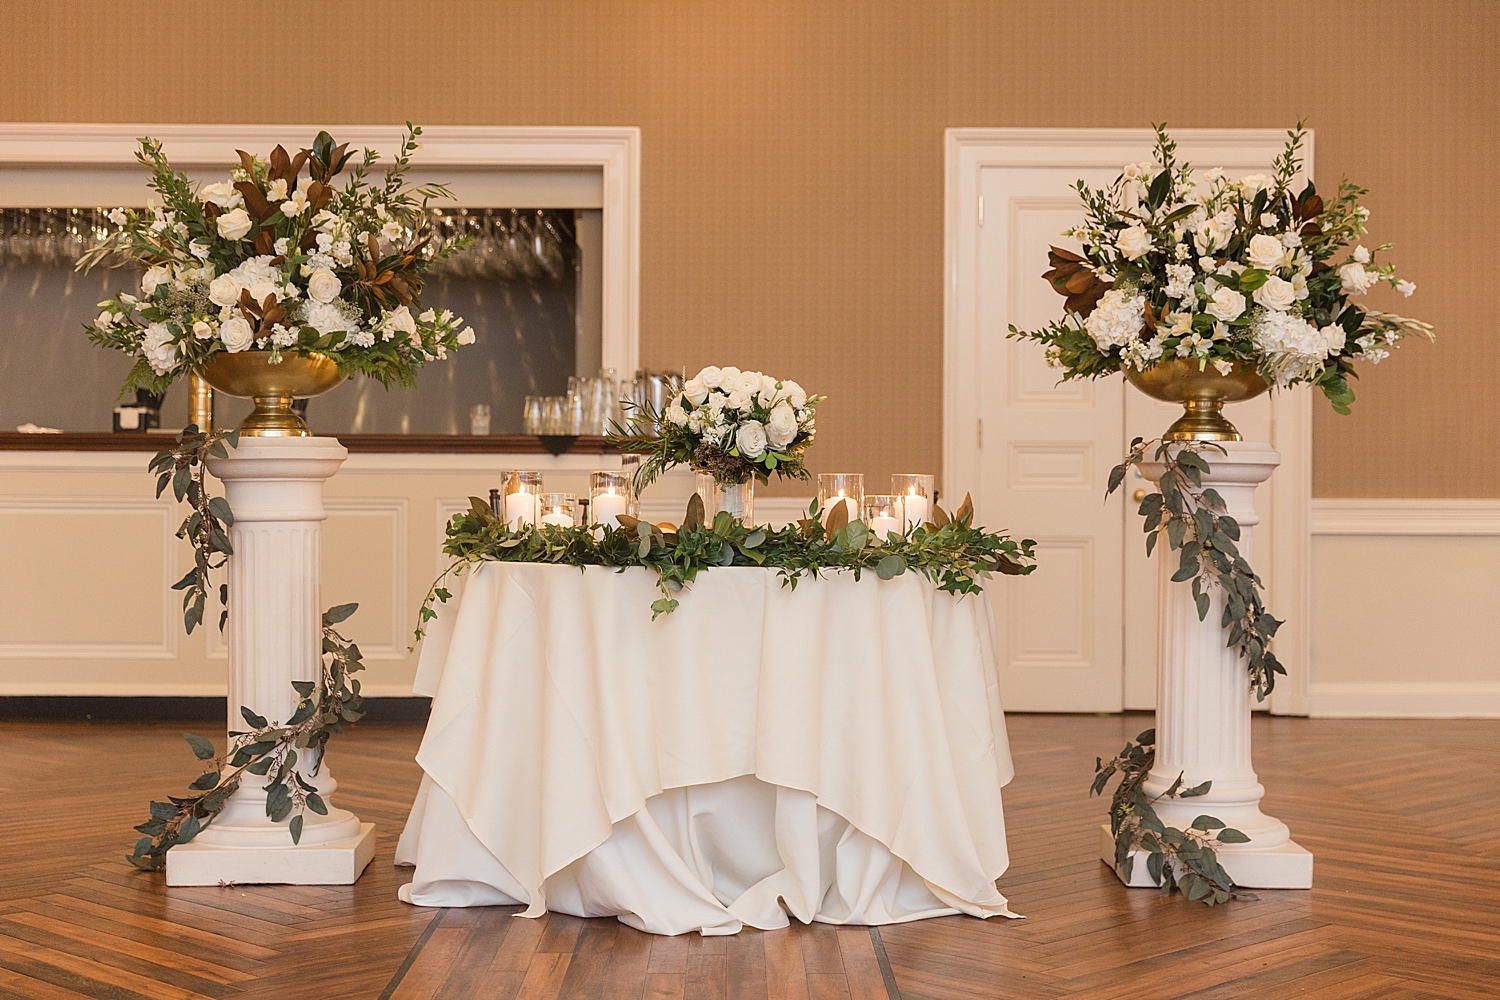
(967, 152)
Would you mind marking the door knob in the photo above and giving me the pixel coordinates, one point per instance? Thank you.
(1139, 496)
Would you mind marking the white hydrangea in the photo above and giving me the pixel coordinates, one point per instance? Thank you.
(325, 317)
(1294, 348)
(157, 348)
(1117, 319)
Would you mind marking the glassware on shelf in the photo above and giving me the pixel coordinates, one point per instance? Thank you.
(847, 488)
(917, 494)
(554, 415)
(560, 509)
(736, 498)
(531, 415)
(610, 495)
(522, 490)
(479, 418)
(883, 516)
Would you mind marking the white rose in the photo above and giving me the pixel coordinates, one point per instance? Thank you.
(738, 400)
(1134, 242)
(234, 224)
(224, 290)
(1266, 252)
(695, 390)
(781, 428)
(677, 415)
(1354, 279)
(710, 377)
(1252, 183)
(751, 439)
(221, 194)
(1361, 255)
(203, 331)
(236, 334)
(1276, 293)
(263, 290)
(324, 285)
(158, 275)
(1226, 305)
(1334, 336)
(466, 336)
(747, 382)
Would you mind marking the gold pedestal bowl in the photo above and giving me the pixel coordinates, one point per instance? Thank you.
(272, 387)
(1201, 393)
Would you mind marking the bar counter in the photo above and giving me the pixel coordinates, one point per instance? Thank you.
(431, 444)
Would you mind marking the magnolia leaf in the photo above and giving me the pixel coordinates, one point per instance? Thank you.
(626, 521)
(965, 510)
(838, 516)
(939, 516)
(693, 519)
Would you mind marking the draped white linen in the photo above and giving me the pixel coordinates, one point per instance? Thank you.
(834, 752)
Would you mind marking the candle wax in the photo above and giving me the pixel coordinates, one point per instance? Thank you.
(605, 507)
(562, 520)
(520, 509)
(914, 510)
(880, 526)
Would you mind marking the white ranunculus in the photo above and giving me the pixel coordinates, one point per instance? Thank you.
(1117, 319)
(1276, 293)
(747, 382)
(1266, 252)
(158, 275)
(739, 400)
(781, 427)
(1226, 305)
(695, 390)
(1134, 242)
(727, 377)
(236, 334)
(234, 224)
(157, 348)
(324, 285)
(751, 439)
(710, 377)
(1354, 279)
(221, 194)
(203, 331)
(794, 394)
(224, 290)
(1361, 255)
(466, 336)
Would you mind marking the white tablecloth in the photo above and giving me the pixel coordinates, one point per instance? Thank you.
(832, 753)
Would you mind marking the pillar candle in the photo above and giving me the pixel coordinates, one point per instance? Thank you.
(520, 509)
(606, 506)
(913, 510)
(880, 526)
(848, 503)
(558, 518)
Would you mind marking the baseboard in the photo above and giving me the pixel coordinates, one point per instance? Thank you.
(42, 708)
(1383, 516)
(1394, 700)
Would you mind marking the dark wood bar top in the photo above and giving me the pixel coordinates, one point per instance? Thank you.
(433, 444)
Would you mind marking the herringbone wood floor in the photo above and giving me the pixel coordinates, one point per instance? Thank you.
(1404, 818)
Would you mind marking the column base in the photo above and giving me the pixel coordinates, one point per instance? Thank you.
(1286, 866)
(338, 863)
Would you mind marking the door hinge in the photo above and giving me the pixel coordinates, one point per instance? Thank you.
(979, 434)
(981, 211)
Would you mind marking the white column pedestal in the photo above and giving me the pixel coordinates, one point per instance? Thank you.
(1204, 703)
(274, 635)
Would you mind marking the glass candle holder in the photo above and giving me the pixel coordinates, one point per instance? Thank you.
(521, 504)
(883, 516)
(558, 509)
(847, 488)
(736, 498)
(917, 494)
(610, 496)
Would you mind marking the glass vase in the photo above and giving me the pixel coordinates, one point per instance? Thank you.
(736, 498)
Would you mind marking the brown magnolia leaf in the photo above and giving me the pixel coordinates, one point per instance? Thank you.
(965, 510)
(385, 276)
(1084, 302)
(1080, 282)
(1311, 208)
(247, 161)
(275, 313)
(210, 211)
(693, 519)
(297, 163)
(838, 516)
(627, 522)
(255, 200)
(939, 516)
(250, 317)
(308, 241)
(247, 301)
(318, 195)
(403, 294)
(374, 246)
(379, 295)
(281, 164)
(1150, 318)
(666, 528)
(336, 157)
(807, 525)
(1058, 255)
(263, 243)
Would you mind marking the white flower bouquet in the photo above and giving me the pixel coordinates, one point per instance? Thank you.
(1222, 271)
(730, 424)
(275, 261)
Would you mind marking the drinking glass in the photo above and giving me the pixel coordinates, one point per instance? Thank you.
(479, 418)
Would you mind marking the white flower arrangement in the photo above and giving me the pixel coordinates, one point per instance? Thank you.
(1222, 270)
(731, 424)
(275, 261)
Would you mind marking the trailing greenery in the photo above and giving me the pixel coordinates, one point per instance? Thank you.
(266, 749)
(1198, 526)
(949, 551)
(183, 466)
(1175, 859)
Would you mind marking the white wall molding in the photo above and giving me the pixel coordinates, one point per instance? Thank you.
(1379, 516)
(1417, 700)
(62, 164)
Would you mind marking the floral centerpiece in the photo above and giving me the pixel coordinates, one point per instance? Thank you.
(1242, 279)
(279, 263)
(732, 427)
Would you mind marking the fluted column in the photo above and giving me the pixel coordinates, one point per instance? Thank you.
(1204, 700)
(275, 488)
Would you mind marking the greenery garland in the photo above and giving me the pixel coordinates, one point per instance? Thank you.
(267, 747)
(947, 550)
(1198, 525)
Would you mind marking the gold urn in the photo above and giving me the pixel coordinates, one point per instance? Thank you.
(1202, 393)
(272, 387)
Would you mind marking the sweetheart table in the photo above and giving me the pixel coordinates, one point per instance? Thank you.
(834, 752)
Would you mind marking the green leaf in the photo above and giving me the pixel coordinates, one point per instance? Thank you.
(219, 507)
(316, 804)
(303, 688)
(295, 826)
(202, 749)
(1197, 790)
(205, 781)
(188, 830)
(890, 566)
(1205, 823)
(1231, 836)
(253, 720)
(339, 613)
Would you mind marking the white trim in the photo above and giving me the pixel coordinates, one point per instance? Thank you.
(1399, 700)
(1340, 516)
(614, 151)
(155, 689)
(968, 151)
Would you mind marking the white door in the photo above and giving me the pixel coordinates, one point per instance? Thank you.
(1079, 634)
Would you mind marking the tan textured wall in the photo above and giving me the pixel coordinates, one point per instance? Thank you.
(792, 187)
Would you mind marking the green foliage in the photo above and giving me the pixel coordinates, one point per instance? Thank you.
(268, 749)
(949, 551)
(183, 467)
(1175, 859)
(1200, 529)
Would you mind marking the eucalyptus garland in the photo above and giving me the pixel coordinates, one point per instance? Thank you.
(948, 550)
(207, 526)
(1175, 859)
